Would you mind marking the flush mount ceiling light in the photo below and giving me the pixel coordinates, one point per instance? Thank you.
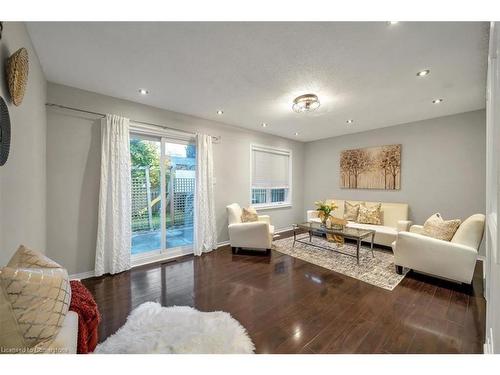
(437, 101)
(305, 103)
(296, 134)
(423, 73)
(143, 91)
(393, 22)
(350, 121)
(264, 125)
(220, 112)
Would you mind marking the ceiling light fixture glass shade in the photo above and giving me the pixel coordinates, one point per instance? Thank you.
(305, 103)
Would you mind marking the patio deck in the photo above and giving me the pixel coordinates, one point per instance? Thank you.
(146, 241)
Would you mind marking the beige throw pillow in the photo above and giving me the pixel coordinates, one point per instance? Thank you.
(34, 301)
(370, 215)
(249, 215)
(351, 211)
(436, 227)
(28, 258)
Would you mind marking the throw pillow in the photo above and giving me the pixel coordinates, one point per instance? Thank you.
(29, 258)
(351, 211)
(249, 215)
(436, 227)
(370, 215)
(34, 299)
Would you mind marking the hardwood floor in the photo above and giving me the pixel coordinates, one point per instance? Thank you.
(291, 306)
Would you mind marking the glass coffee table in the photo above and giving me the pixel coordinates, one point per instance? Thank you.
(355, 234)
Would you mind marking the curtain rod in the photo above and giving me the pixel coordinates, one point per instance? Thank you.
(215, 138)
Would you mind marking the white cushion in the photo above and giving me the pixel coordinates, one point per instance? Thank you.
(234, 212)
(377, 228)
(470, 232)
(67, 340)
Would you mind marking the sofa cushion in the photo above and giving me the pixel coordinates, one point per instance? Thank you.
(470, 232)
(370, 215)
(351, 211)
(440, 229)
(249, 215)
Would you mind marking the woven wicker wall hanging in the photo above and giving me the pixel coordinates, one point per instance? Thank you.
(17, 75)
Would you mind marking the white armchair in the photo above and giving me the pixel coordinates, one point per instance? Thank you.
(252, 235)
(454, 260)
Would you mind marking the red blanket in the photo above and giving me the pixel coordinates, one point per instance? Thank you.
(82, 302)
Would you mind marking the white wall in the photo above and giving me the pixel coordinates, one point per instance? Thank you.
(442, 166)
(73, 162)
(22, 179)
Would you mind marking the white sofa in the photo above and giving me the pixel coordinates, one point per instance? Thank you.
(454, 260)
(253, 235)
(395, 219)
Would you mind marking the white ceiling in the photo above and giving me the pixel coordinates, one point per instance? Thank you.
(365, 71)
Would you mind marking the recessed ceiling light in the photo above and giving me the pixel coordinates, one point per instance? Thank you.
(437, 101)
(220, 112)
(264, 125)
(393, 22)
(350, 121)
(423, 73)
(296, 134)
(143, 91)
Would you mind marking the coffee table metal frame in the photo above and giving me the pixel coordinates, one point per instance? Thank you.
(349, 233)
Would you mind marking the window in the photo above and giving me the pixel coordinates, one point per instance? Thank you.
(271, 177)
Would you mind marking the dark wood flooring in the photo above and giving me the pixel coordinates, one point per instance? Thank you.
(291, 306)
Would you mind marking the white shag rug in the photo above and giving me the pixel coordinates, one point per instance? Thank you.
(151, 328)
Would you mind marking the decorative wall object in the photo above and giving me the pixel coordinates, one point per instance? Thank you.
(371, 168)
(17, 68)
(4, 132)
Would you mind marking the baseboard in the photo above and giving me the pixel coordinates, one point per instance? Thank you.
(82, 275)
(223, 243)
(488, 345)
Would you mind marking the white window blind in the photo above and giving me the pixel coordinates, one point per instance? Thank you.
(271, 177)
(270, 168)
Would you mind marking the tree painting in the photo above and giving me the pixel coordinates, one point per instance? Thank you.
(371, 168)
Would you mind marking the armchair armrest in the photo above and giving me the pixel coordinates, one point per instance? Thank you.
(252, 235)
(403, 225)
(265, 218)
(437, 257)
(312, 214)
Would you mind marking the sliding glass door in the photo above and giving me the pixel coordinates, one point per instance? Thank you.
(163, 181)
(179, 193)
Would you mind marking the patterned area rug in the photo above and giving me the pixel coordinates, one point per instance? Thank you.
(378, 270)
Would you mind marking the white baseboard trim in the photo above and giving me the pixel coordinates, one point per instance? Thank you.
(82, 275)
(223, 243)
(488, 345)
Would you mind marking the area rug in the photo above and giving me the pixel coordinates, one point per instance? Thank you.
(378, 270)
(151, 328)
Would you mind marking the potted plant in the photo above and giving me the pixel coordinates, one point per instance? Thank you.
(324, 209)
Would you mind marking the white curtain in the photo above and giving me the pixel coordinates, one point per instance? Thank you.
(205, 233)
(114, 221)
